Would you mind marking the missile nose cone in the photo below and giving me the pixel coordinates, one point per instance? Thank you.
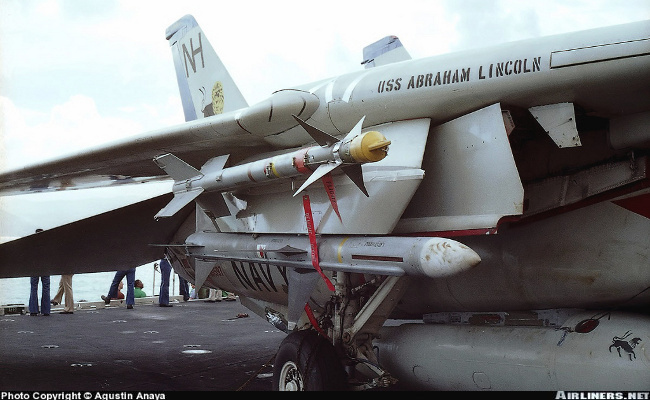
(441, 257)
(371, 146)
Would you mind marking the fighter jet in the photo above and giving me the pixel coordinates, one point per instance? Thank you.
(478, 220)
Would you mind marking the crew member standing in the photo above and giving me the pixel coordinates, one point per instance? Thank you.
(130, 281)
(165, 272)
(45, 294)
(65, 286)
(184, 288)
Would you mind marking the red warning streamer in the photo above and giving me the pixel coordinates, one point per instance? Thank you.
(312, 240)
(314, 322)
(331, 193)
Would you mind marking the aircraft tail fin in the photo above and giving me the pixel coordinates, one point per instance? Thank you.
(384, 51)
(205, 85)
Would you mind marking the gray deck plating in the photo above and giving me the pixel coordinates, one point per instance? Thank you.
(192, 346)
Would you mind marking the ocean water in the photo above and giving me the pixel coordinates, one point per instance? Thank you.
(85, 287)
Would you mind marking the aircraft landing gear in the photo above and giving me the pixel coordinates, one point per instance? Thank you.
(307, 361)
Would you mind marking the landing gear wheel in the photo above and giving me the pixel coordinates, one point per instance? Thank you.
(290, 378)
(307, 361)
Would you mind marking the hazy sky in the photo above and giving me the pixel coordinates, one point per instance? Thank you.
(77, 73)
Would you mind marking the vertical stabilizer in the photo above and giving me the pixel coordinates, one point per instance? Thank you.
(205, 85)
(384, 51)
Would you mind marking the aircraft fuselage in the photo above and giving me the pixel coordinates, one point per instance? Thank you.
(595, 69)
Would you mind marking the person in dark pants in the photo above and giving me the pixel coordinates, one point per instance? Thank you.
(45, 294)
(183, 288)
(165, 272)
(130, 281)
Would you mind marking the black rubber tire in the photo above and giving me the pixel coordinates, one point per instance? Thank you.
(315, 360)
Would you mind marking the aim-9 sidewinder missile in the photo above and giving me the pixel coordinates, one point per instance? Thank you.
(349, 153)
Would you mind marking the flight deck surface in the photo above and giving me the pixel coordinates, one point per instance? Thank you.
(192, 346)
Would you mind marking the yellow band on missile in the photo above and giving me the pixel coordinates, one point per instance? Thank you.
(275, 171)
(372, 146)
(340, 249)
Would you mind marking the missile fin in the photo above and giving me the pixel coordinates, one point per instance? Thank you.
(354, 172)
(356, 131)
(285, 251)
(176, 168)
(215, 164)
(322, 138)
(322, 170)
(180, 200)
(288, 251)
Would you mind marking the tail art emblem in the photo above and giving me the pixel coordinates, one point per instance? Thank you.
(215, 106)
(627, 345)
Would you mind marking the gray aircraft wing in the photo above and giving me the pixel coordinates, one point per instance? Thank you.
(131, 160)
(82, 245)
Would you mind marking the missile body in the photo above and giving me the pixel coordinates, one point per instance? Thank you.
(303, 161)
(276, 268)
(355, 149)
(432, 257)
